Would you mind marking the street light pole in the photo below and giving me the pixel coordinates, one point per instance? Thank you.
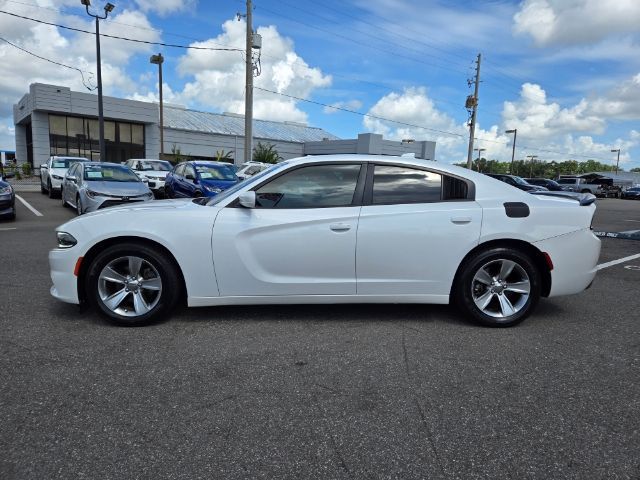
(513, 150)
(532, 157)
(617, 161)
(158, 60)
(107, 9)
(479, 150)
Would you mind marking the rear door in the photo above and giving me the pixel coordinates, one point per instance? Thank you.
(299, 240)
(415, 228)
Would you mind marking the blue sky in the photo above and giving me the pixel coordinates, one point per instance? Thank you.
(566, 74)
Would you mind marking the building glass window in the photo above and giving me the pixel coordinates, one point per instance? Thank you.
(77, 136)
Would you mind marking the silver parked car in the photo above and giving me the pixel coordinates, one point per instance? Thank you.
(90, 186)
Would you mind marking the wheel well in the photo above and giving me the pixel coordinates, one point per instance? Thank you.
(536, 255)
(98, 247)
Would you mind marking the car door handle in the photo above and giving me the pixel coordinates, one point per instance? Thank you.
(340, 227)
(460, 220)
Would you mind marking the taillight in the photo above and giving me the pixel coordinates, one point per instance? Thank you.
(547, 258)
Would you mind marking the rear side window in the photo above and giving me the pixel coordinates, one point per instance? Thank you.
(317, 186)
(180, 169)
(393, 185)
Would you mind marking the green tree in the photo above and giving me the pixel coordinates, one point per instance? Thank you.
(222, 156)
(266, 153)
(635, 170)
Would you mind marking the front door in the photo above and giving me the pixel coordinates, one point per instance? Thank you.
(299, 240)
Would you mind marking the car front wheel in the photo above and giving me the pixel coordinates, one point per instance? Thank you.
(132, 284)
(499, 287)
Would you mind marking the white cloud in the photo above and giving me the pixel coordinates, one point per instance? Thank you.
(535, 117)
(348, 105)
(164, 7)
(219, 77)
(621, 102)
(551, 22)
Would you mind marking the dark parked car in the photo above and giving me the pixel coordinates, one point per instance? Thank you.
(7, 200)
(550, 185)
(517, 182)
(631, 193)
(199, 178)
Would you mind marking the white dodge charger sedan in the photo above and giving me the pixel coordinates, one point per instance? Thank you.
(333, 229)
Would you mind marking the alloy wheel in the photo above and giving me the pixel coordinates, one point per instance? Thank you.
(501, 288)
(129, 286)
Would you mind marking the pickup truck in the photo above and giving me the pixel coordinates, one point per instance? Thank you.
(581, 185)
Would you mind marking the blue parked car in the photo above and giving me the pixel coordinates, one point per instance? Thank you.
(199, 178)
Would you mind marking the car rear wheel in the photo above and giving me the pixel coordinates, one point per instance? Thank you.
(168, 192)
(499, 287)
(50, 189)
(132, 284)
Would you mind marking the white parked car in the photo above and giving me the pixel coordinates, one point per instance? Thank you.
(154, 171)
(53, 171)
(250, 169)
(334, 229)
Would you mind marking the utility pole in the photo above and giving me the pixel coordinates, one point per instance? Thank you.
(472, 102)
(513, 150)
(248, 97)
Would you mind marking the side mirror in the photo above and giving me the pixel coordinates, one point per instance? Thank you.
(247, 199)
(72, 178)
(188, 176)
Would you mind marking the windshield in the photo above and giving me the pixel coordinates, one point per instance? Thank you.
(109, 173)
(519, 180)
(216, 172)
(239, 186)
(157, 165)
(66, 162)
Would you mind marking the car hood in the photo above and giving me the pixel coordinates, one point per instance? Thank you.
(118, 188)
(58, 171)
(221, 184)
(143, 208)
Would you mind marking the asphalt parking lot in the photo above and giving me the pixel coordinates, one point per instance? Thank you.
(318, 391)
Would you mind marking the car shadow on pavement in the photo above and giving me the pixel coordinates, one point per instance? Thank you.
(348, 313)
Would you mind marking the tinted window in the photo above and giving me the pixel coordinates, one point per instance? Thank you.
(405, 185)
(180, 169)
(311, 187)
(109, 173)
(567, 181)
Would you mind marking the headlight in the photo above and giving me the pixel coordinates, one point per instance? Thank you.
(65, 240)
(92, 194)
(57, 177)
(5, 190)
(212, 189)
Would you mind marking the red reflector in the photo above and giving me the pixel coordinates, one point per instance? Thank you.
(548, 259)
(76, 271)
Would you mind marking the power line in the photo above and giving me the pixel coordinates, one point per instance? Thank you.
(161, 44)
(82, 72)
(444, 132)
(367, 45)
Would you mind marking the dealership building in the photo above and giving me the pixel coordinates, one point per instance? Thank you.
(53, 120)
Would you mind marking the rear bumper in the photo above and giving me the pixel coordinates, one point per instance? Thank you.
(575, 259)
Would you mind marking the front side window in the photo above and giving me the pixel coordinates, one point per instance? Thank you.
(397, 185)
(180, 170)
(317, 186)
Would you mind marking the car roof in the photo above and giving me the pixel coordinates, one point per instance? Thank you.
(209, 162)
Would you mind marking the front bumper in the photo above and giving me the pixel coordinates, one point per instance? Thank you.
(65, 284)
(156, 185)
(99, 202)
(575, 258)
(7, 205)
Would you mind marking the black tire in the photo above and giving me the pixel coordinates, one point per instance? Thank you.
(50, 189)
(168, 192)
(78, 206)
(198, 194)
(64, 204)
(466, 287)
(164, 267)
(42, 189)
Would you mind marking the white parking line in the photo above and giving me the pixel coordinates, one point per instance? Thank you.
(26, 204)
(8, 228)
(617, 262)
